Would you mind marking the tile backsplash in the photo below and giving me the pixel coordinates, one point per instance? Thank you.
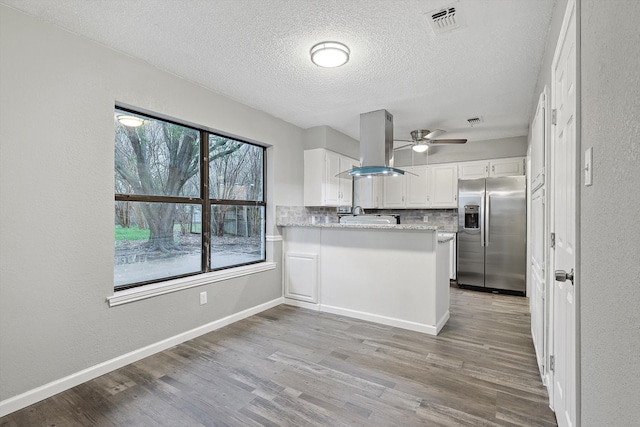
(309, 214)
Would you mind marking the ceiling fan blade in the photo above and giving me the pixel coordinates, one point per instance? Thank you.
(404, 140)
(447, 141)
(403, 146)
(434, 133)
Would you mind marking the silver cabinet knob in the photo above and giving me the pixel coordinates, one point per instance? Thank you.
(563, 276)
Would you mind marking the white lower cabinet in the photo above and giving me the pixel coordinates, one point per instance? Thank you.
(301, 264)
(301, 276)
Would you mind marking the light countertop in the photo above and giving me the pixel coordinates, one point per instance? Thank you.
(417, 227)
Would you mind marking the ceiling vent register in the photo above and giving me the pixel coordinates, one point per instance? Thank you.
(475, 120)
(443, 20)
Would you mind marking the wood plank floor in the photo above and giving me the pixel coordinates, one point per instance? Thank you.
(295, 367)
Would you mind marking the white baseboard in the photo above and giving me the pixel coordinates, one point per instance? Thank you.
(302, 304)
(443, 321)
(390, 321)
(32, 396)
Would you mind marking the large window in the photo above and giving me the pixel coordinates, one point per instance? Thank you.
(187, 201)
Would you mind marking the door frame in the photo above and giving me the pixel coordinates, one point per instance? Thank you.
(573, 6)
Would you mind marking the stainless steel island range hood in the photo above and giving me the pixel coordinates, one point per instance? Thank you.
(376, 146)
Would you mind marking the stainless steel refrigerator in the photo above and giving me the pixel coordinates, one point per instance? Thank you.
(492, 227)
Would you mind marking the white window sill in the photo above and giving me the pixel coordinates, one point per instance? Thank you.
(148, 291)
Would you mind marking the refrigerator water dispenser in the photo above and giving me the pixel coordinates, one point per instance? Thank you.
(471, 216)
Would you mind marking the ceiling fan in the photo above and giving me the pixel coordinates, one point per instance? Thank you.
(422, 139)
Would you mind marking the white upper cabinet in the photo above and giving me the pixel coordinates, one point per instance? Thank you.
(471, 170)
(394, 191)
(443, 186)
(407, 191)
(507, 167)
(321, 186)
(367, 192)
(423, 187)
(491, 168)
(417, 187)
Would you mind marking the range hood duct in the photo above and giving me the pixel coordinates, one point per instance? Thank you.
(376, 146)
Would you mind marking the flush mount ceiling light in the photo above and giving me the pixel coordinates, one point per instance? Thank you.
(130, 121)
(329, 54)
(420, 147)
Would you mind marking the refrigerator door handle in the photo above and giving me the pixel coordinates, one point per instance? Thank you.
(487, 216)
(482, 217)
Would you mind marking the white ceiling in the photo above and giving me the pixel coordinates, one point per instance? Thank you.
(257, 52)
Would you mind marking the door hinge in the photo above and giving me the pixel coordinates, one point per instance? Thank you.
(554, 117)
(552, 363)
(553, 240)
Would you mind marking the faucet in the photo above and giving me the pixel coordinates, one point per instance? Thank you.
(358, 210)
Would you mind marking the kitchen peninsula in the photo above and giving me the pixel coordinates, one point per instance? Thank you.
(396, 275)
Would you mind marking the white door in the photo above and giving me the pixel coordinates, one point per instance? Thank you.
(564, 221)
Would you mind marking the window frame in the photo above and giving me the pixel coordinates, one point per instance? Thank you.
(204, 200)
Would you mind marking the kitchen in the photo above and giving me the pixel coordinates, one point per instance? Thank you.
(57, 331)
(388, 240)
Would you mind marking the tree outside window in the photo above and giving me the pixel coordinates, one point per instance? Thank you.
(161, 202)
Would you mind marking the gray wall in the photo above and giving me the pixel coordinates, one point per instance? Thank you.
(331, 139)
(56, 202)
(610, 265)
(476, 150)
(609, 301)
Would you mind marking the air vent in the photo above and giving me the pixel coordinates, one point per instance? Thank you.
(474, 121)
(442, 20)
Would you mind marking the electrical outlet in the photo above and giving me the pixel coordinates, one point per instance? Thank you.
(425, 218)
(203, 298)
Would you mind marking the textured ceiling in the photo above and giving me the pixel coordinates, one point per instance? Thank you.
(257, 52)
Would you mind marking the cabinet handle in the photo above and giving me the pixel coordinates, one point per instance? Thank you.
(493, 168)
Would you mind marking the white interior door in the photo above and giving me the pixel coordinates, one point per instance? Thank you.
(564, 221)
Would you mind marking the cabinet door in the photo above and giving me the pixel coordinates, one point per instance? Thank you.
(366, 192)
(507, 167)
(301, 276)
(471, 170)
(417, 187)
(331, 183)
(394, 191)
(443, 186)
(346, 184)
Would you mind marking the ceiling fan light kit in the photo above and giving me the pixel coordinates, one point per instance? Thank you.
(422, 139)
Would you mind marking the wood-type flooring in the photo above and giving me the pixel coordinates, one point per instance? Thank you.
(295, 367)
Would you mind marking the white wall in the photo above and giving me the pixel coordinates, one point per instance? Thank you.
(56, 202)
(610, 236)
